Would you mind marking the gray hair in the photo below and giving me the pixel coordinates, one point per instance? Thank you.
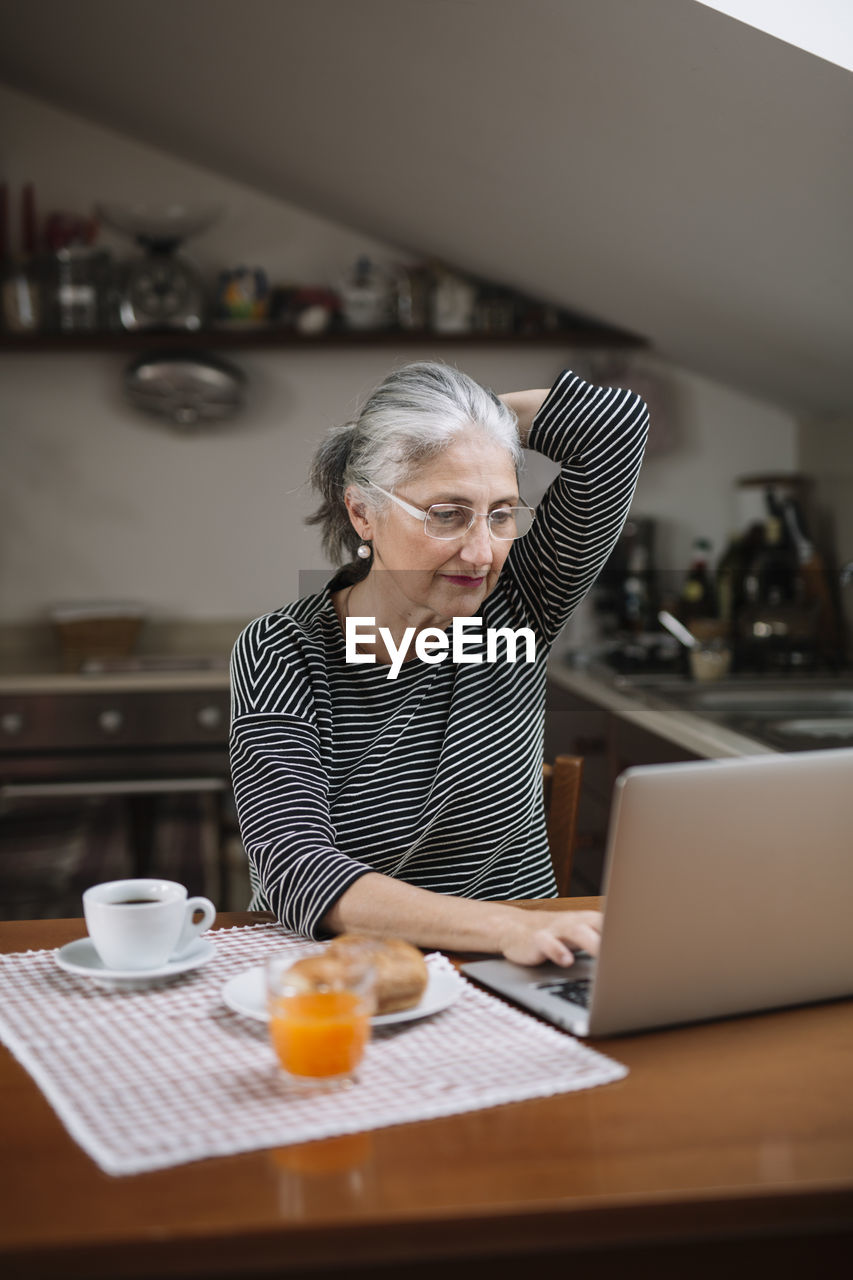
(411, 417)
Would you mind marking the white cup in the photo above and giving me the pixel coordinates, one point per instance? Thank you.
(140, 924)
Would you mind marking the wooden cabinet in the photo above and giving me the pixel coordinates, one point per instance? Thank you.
(609, 745)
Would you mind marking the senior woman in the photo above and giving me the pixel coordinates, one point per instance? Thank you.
(412, 806)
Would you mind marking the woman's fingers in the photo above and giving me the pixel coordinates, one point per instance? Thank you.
(579, 929)
(552, 936)
(552, 948)
(586, 931)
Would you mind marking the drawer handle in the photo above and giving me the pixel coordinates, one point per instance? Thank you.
(12, 722)
(110, 720)
(209, 717)
(130, 787)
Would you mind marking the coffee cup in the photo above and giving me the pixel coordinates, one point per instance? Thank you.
(141, 924)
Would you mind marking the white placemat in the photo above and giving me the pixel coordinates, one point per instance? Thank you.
(148, 1079)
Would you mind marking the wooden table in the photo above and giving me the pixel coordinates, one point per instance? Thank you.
(729, 1145)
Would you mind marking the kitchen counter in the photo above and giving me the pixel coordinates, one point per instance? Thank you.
(198, 652)
(31, 682)
(600, 685)
(29, 666)
(740, 714)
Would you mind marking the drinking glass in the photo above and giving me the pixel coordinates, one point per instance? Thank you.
(319, 1029)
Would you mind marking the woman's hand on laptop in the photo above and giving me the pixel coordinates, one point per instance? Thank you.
(388, 908)
(533, 937)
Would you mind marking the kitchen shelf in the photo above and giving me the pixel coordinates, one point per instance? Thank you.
(273, 338)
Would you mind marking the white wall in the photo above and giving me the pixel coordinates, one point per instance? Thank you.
(718, 435)
(652, 163)
(75, 163)
(96, 500)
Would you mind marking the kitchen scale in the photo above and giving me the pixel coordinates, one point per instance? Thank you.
(161, 289)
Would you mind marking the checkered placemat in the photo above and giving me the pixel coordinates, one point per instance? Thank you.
(150, 1078)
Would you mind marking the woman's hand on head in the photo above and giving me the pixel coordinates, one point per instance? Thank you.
(525, 405)
(536, 936)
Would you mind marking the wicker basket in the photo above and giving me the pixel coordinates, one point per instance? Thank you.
(84, 636)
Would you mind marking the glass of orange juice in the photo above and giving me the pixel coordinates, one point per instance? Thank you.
(319, 1017)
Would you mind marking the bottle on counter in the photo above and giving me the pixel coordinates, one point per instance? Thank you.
(697, 598)
(777, 624)
(21, 287)
(636, 604)
(773, 574)
(813, 585)
(732, 571)
(729, 580)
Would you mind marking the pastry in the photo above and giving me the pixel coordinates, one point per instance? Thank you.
(401, 972)
(399, 968)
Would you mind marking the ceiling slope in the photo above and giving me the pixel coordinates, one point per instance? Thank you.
(656, 165)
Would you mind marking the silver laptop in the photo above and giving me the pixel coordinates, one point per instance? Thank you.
(729, 889)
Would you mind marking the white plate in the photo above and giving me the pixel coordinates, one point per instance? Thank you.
(81, 959)
(245, 994)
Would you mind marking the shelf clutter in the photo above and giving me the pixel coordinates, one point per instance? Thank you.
(62, 290)
(270, 336)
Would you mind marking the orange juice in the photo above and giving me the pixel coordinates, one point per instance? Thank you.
(320, 1033)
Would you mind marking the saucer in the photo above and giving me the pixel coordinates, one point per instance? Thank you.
(81, 959)
(245, 994)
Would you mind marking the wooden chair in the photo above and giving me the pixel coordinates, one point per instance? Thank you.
(561, 789)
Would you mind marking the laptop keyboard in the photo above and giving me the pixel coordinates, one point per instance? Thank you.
(574, 990)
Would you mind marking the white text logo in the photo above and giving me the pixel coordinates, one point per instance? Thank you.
(433, 645)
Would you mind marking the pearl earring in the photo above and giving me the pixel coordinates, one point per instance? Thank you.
(364, 551)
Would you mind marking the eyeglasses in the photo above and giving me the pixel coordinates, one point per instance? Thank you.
(449, 520)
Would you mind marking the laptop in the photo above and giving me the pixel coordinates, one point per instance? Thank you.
(729, 889)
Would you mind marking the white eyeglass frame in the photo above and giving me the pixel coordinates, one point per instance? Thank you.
(420, 514)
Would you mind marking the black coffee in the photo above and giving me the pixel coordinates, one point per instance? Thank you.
(133, 902)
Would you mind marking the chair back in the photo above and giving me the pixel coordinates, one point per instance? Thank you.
(561, 789)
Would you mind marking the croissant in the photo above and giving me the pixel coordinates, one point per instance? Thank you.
(401, 972)
(400, 969)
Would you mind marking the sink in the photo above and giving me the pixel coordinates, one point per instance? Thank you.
(816, 727)
(790, 715)
(772, 700)
(775, 704)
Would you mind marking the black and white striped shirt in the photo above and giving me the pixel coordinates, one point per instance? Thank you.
(434, 778)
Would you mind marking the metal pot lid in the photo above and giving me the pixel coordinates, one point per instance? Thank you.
(187, 390)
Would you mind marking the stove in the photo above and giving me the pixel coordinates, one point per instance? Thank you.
(135, 778)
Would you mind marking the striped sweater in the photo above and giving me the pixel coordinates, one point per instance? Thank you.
(434, 778)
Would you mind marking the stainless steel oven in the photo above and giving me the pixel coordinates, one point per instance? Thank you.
(107, 782)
